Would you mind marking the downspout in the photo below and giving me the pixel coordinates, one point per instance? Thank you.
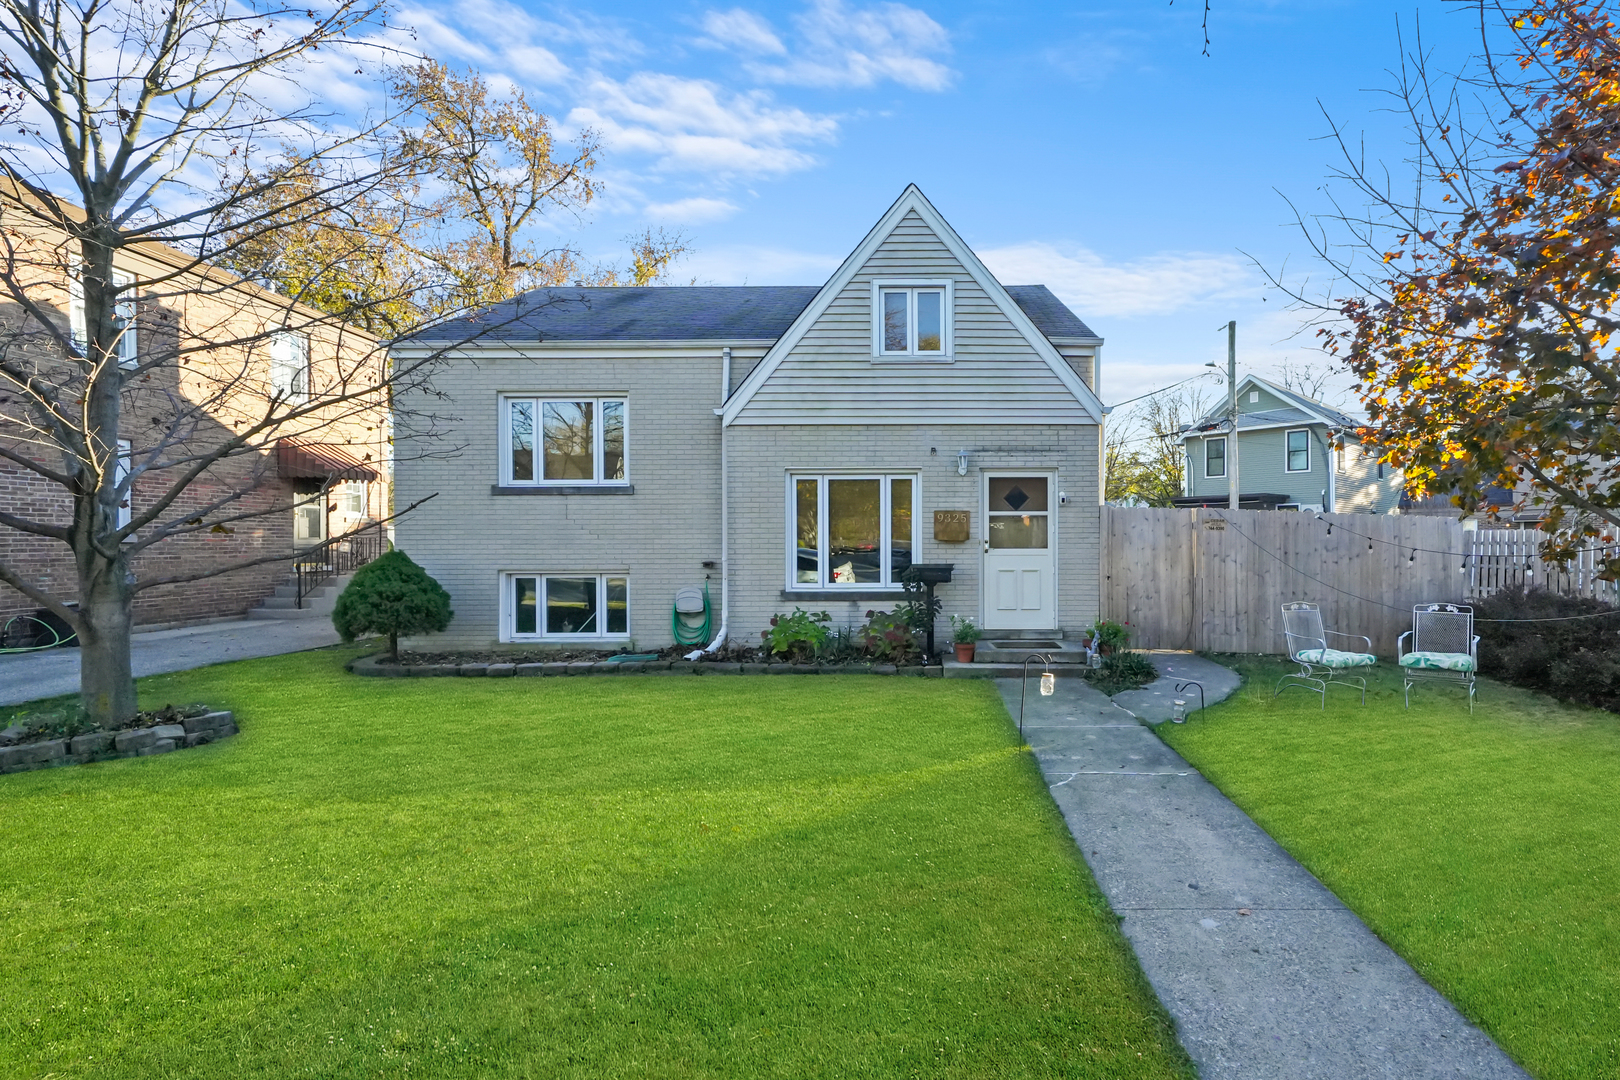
(1331, 499)
(725, 514)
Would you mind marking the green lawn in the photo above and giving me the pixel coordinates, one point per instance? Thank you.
(1485, 849)
(633, 876)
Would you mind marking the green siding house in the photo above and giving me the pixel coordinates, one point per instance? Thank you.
(1294, 453)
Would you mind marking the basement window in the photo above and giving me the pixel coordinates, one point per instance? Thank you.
(565, 607)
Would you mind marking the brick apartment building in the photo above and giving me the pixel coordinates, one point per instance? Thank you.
(217, 330)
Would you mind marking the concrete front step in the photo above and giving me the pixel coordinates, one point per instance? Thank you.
(1007, 651)
(318, 603)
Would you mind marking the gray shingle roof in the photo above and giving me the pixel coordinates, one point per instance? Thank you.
(683, 313)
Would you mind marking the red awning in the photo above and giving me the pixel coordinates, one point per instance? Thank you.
(300, 459)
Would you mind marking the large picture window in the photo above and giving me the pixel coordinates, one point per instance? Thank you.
(566, 606)
(1299, 450)
(850, 531)
(562, 440)
(1214, 458)
(912, 320)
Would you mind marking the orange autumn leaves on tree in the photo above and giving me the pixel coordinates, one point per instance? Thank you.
(1484, 346)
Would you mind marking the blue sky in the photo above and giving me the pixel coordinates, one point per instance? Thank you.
(1089, 147)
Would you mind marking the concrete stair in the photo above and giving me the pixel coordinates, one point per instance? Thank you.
(282, 604)
(1013, 650)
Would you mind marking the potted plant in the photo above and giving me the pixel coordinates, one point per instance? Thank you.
(1108, 637)
(965, 636)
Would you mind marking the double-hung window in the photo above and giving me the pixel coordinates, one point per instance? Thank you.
(565, 606)
(123, 317)
(289, 367)
(1299, 450)
(911, 321)
(126, 510)
(573, 440)
(1214, 458)
(850, 531)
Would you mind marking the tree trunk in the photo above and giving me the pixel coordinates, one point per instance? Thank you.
(393, 645)
(106, 678)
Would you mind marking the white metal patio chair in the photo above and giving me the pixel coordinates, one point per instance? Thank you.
(1318, 664)
(1443, 647)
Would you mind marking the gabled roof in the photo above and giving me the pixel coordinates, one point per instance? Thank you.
(1300, 410)
(912, 200)
(685, 313)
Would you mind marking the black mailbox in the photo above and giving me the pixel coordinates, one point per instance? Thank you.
(929, 573)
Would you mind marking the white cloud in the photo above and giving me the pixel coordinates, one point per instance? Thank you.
(693, 211)
(741, 30)
(694, 125)
(1093, 287)
(836, 45)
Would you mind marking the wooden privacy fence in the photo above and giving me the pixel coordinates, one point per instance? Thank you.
(1504, 558)
(1216, 579)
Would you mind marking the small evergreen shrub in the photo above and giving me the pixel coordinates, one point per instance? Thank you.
(391, 595)
(1577, 659)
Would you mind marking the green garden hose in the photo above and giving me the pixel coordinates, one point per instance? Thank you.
(686, 634)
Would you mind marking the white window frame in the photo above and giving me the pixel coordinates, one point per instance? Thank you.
(78, 328)
(279, 341)
(509, 605)
(597, 399)
(1288, 453)
(888, 583)
(1254, 397)
(126, 507)
(349, 492)
(911, 287)
(1224, 448)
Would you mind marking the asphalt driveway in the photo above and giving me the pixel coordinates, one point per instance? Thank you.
(27, 676)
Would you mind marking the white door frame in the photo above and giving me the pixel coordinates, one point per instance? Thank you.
(988, 619)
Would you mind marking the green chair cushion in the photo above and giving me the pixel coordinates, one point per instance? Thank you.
(1438, 661)
(1334, 658)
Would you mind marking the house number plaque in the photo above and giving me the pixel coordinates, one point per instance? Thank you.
(951, 526)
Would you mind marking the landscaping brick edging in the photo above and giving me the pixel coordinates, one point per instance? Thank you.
(375, 667)
(105, 745)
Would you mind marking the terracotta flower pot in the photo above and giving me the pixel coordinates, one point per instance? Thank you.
(964, 652)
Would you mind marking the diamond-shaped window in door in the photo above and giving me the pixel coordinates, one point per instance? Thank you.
(1016, 498)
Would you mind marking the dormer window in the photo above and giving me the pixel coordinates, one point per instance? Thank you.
(911, 320)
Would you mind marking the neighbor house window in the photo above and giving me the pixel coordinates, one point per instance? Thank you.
(912, 320)
(850, 531)
(1338, 458)
(289, 367)
(566, 606)
(1254, 397)
(126, 509)
(562, 440)
(1299, 450)
(351, 498)
(1214, 458)
(123, 317)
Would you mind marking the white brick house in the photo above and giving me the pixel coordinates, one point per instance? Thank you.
(792, 445)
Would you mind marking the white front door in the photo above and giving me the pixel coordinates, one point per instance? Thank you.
(1020, 579)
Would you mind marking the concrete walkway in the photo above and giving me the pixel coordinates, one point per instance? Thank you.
(27, 676)
(1267, 974)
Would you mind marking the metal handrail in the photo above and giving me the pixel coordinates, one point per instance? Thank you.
(344, 557)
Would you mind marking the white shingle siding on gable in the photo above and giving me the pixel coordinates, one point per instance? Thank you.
(996, 376)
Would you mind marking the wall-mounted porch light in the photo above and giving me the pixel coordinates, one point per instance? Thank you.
(961, 463)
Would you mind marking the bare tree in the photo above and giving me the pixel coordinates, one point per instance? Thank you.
(171, 126)
(1144, 458)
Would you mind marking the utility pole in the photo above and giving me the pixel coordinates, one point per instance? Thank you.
(1232, 414)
